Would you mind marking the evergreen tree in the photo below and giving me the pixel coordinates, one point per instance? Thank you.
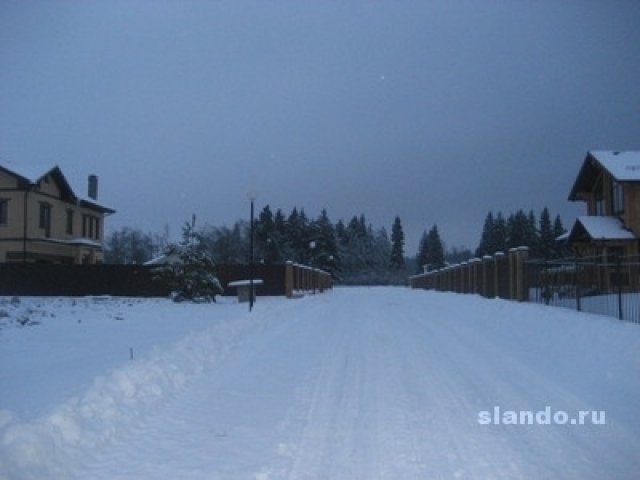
(267, 241)
(547, 245)
(518, 231)
(341, 233)
(533, 238)
(422, 256)
(325, 251)
(561, 248)
(297, 234)
(193, 277)
(558, 228)
(396, 259)
(487, 244)
(500, 234)
(433, 250)
(522, 230)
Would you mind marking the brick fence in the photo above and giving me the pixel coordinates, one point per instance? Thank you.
(32, 279)
(603, 285)
(501, 275)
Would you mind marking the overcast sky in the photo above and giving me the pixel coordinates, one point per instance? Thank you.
(436, 111)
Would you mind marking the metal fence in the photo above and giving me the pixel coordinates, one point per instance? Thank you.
(606, 286)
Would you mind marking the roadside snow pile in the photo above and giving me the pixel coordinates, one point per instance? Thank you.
(44, 447)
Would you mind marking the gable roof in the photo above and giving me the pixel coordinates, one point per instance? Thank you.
(32, 175)
(622, 166)
(589, 228)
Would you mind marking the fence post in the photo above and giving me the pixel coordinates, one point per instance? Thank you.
(487, 277)
(477, 275)
(512, 273)
(619, 282)
(288, 279)
(501, 290)
(522, 255)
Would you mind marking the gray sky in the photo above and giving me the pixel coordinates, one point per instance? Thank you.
(436, 111)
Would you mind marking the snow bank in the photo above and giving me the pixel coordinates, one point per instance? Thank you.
(47, 446)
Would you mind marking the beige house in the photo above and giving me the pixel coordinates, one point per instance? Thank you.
(43, 220)
(609, 184)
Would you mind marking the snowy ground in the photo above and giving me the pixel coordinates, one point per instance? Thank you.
(358, 383)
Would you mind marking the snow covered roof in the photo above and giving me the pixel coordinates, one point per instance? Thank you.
(170, 258)
(623, 166)
(599, 228)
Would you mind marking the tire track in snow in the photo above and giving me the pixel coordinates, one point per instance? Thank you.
(362, 383)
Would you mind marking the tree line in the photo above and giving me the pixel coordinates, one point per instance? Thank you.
(519, 229)
(353, 251)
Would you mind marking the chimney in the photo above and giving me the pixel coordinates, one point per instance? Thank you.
(93, 187)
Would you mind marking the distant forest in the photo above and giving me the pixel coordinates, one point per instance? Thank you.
(353, 251)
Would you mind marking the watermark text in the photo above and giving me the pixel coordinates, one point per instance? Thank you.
(547, 416)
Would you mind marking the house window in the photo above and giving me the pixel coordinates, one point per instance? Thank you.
(86, 225)
(617, 198)
(90, 227)
(600, 207)
(69, 221)
(45, 218)
(4, 211)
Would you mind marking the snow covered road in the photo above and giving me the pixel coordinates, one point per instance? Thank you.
(376, 383)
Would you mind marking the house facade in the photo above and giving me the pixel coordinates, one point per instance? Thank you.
(609, 184)
(43, 220)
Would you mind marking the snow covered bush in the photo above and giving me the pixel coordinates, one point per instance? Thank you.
(189, 271)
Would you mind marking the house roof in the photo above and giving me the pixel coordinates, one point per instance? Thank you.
(169, 258)
(622, 166)
(589, 228)
(32, 174)
(29, 173)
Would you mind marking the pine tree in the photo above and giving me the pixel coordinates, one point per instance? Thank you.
(422, 256)
(561, 248)
(547, 238)
(325, 252)
(487, 244)
(434, 250)
(500, 234)
(517, 226)
(193, 277)
(533, 238)
(558, 228)
(396, 259)
(267, 238)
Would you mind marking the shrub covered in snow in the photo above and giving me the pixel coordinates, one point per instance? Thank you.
(191, 275)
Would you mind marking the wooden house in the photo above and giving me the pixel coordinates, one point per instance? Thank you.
(609, 184)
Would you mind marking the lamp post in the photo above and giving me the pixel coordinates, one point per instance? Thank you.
(252, 198)
(314, 274)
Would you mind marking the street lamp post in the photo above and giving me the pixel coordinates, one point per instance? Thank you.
(252, 197)
(314, 273)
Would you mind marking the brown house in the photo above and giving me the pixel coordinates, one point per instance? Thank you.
(43, 220)
(609, 184)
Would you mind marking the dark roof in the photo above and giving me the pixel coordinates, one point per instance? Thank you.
(37, 174)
